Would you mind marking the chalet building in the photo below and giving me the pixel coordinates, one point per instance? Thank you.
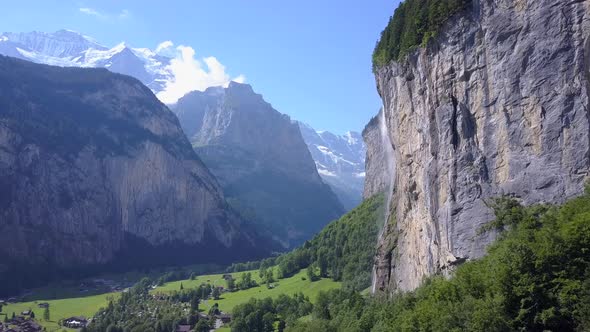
(75, 322)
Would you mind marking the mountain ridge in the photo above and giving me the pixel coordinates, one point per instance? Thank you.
(260, 159)
(68, 48)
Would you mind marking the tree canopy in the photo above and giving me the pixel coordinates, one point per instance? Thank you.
(412, 25)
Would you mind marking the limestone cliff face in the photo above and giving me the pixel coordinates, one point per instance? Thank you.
(497, 104)
(89, 159)
(261, 161)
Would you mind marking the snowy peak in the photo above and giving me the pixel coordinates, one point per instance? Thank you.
(68, 48)
(62, 43)
(336, 153)
(340, 160)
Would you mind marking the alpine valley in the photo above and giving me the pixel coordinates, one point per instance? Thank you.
(464, 204)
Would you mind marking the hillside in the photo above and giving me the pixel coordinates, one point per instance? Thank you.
(343, 250)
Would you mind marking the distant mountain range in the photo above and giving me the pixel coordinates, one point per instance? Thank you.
(70, 49)
(340, 160)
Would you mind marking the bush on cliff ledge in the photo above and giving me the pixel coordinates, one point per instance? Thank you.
(413, 23)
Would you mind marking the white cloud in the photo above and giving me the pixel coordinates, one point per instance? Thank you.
(190, 74)
(163, 46)
(124, 14)
(240, 79)
(91, 12)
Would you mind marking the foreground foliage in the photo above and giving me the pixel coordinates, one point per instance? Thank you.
(536, 277)
(413, 24)
(261, 315)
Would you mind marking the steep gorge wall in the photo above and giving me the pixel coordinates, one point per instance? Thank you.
(496, 105)
(89, 158)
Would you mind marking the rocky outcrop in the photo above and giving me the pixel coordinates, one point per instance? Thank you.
(261, 161)
(90, 160)
(496, 105)
(340, 161)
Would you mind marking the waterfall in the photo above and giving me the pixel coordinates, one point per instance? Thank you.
(389, 160)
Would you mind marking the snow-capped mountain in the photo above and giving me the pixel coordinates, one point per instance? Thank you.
(69, 48)
(340, 160)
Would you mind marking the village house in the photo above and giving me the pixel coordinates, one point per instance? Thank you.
(75, 322)
(43, 305)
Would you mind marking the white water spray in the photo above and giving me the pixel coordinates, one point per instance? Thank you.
(389, 160)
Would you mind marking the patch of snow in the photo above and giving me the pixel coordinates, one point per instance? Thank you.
(326, 172)
(350, 139)
(46, 59)
(336, 159)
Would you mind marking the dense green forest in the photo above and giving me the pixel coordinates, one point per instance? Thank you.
(413, 23)
(535, 277)
(343, 250)
(263, 315)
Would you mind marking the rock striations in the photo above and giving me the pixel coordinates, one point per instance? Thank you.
(94, 167)
(260, 159)
(497, 104)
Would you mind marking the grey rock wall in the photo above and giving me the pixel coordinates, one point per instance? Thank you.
(496, 105)
(88, 157)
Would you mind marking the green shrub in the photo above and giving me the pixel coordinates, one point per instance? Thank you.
(412, 25)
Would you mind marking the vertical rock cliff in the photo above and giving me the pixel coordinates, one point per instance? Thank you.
(93, 166)
(496, 104)
(261, 161)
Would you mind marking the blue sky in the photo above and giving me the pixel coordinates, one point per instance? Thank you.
(310, 59)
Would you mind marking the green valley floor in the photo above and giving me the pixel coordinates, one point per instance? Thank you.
(87, 306)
